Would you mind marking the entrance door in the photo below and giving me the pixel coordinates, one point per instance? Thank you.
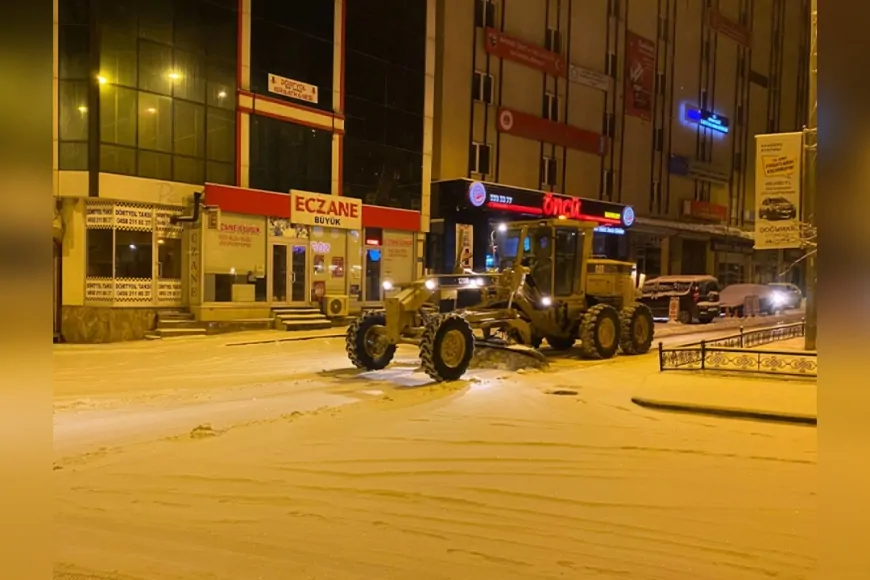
(289, 272)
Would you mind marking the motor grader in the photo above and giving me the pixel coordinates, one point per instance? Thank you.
(548, 287)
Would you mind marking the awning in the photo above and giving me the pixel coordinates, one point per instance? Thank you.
(655, 225)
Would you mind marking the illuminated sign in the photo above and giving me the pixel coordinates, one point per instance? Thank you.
(628, 216)
(610, 230)
(477, 194)
(320, 247)
(707, 119)
(567, 207)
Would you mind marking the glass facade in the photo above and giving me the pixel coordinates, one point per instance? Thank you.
(294, 41)
(385, 48)
(287, 156)
(167, 88)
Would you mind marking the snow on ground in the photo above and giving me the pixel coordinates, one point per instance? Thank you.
(194, 460)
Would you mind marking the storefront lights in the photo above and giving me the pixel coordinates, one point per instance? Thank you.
(387, 285)
(546, 301)
(502, 227)
(431, 284)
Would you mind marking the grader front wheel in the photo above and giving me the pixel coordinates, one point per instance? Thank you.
(367, 344)
(447, 347)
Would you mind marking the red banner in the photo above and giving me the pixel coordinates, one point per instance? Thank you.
(640, 70)
(733, 30)
(539, 129)
(512, 48)
(705, 210)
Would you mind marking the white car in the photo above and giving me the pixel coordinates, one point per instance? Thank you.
(788, 295)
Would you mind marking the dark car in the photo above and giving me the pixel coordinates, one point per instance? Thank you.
(698, 297)
(777, 208)
(789, 296)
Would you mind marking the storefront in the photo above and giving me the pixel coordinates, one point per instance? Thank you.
(262, 250)
(466, 215)
(733, 259)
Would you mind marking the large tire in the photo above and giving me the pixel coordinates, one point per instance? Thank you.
(599, 332)
(561, 343)
(447, 347)
(365, 348)
(637, 329)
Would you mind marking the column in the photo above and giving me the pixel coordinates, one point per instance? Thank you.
(428, 115)
(338, 64)
(448, 246)
(243, 120)
(665, 255)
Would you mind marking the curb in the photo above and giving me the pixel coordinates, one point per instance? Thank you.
(729, 412)
(288, 339)
(695, 328)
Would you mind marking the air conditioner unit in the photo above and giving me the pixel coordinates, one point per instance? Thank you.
(335, 306)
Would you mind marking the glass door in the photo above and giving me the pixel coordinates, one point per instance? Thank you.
(279, 262)
(299, 273)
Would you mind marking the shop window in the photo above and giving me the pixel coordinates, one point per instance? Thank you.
(551, 107)
(133, 254)
(73, 125)
(100, 257)
(554, 40)
(549, 167)
(169, 252)
(373, 288)
(482, 87)
(484, 13)
(479, 157)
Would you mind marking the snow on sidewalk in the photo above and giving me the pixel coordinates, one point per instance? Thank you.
(731, 393)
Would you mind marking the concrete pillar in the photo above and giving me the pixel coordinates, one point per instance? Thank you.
(711, 259)
(665, 255)
(675, 256)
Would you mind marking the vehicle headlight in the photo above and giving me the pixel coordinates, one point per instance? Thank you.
(388, 285)
(546, 301)
(779, 298)
(431, 284)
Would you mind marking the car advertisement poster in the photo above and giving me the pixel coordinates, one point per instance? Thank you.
(778, 190)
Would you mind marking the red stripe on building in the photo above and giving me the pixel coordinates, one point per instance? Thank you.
(268, 203)
(388, 218)
(247, 201)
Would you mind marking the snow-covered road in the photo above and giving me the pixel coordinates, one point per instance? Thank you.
(538, 475)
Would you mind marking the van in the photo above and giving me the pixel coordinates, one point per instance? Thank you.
(698, 297)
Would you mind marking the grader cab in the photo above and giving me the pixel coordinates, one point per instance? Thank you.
(549, 287)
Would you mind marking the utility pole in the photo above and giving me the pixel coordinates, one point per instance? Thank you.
(810, 152)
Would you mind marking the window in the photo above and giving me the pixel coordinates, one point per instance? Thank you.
(133, 254)
(482, 87)
(554, 40)
(484, 13)
(568, 246)
(551, 107)
(479, 157)
(169, 258)
(548, 171)
(287, 156)
(100, 258)
(73, 124)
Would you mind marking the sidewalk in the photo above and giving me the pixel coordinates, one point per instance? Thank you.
(738, 396)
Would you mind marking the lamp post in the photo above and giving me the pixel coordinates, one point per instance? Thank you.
(810, 152)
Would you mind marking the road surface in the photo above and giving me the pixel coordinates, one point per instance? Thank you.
(193, 459)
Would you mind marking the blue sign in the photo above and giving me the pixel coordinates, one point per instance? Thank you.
(610, 230)
(628, 216)
(707, 119)
(477, 194)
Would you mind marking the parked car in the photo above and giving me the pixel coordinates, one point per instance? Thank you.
(777, 208)
(698, 296)
(733, 298)
(788, 295)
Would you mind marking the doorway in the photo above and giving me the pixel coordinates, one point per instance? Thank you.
(288, 265)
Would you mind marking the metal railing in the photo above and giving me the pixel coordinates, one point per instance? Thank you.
(735, 353)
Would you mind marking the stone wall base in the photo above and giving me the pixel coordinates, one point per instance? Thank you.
(91, 325)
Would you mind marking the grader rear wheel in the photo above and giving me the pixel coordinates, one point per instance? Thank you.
(599, 332)
(366, 342)
(447, 347)
(637, 329)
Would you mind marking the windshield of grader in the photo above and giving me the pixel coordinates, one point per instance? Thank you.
(537, 252)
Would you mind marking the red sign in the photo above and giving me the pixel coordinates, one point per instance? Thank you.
(568, 207)
(705, 210)
(640, 70)
(317, 209)
(733, 30)
(512, 48)
(539, 129)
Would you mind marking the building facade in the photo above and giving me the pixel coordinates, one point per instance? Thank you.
(649, 105)
(312, 181)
